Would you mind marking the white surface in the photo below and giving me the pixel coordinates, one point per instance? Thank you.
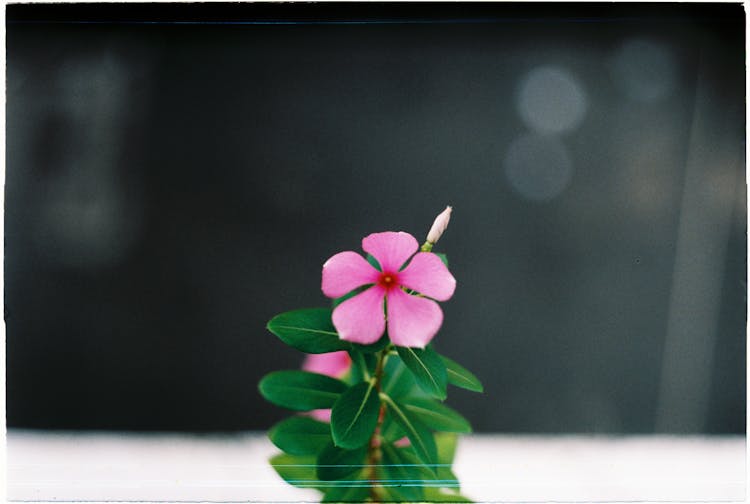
(169, 467)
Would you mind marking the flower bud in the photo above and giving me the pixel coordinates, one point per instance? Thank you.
(439, 226)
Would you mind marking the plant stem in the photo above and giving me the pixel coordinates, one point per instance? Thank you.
(373, 451)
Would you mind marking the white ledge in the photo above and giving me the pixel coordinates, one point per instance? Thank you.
(62, 466)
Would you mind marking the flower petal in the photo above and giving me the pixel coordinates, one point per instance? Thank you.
(412, 320)
(346, 271)
(427, 275)
(361, 319)
(334, 364)
(391, 249)
(321, 415)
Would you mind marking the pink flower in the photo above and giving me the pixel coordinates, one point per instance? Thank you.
(412, 320)
(334, 364)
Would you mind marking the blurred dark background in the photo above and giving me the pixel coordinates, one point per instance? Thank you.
(177, 174)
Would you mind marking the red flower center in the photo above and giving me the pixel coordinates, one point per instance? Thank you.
(388, 280)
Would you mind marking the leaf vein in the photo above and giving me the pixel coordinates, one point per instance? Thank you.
(427, 370)
(408, 425)
(359, 411)
(306, 329)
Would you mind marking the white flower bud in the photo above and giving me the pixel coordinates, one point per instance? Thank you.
(439, 226)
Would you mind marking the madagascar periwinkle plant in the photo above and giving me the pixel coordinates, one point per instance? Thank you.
(372, 384)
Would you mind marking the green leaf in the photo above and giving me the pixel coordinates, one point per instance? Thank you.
(374, 262)
(346, 296)
(309, 330)
(408, 478)
(300, 435)
(355, 490)
(442, 257)
(374, 347)
(437, 416)
(410, 455)
(401, 472)
(460, 376)
(390, 430)
(397, 379)
(393, 493)
(437, 495)
(296, 470)
(420, 436)
(446, 446)
(447, 478)
(363, 366)
(389, 490)
(301, 390)
(336, 463)
(441, 477)
(355, 416)
(427, 368)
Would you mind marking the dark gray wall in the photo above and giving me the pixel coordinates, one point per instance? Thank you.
(170, 187)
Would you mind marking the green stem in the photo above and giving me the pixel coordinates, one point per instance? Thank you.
(373, 451)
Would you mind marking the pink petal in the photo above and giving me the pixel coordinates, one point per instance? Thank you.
(391, 249)
(427, 275)
(440, 225)
(346, 271)
(404, 441)
(334, 364)
(361, 319)
(412, 320)
(321, 415)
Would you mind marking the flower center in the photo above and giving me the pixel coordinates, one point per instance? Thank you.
(388, 280)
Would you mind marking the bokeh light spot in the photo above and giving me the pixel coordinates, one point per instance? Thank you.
(551, 100)
(644, 70)
(538, 167)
